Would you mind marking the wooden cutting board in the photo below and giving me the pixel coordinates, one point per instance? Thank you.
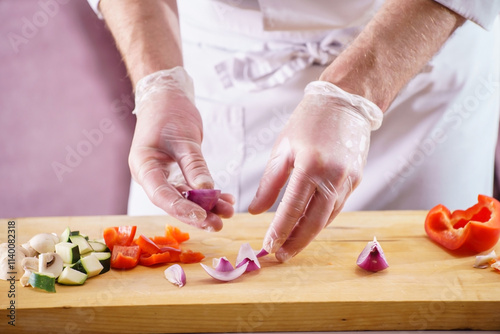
(321, 289)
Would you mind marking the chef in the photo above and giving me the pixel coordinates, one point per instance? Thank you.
(287, 105)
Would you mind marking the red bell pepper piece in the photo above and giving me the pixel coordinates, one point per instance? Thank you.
(149, 260)
(125, 257)
(476, 229)
(147, 245)
(189, 256)
(121, 235)
(176, 233)
(166, 241)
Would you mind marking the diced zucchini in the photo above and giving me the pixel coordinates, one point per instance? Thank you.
(70, 276)
(74, 233)
(105, 260)
(82, 243)
(91, 265)
(69, 252)
(43, 281)
(98, 246)
(65, 235)
(78, 266)
(100, 240)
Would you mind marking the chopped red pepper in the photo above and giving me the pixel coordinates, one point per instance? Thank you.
(176, 233)
(147, 245)
(121, 235)
(188, 256)
(166, 241)
(149, 260)
(125, 257)
(476, 229)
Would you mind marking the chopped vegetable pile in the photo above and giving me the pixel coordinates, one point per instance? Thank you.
(68, 259)
(128, 252)
(71, 258)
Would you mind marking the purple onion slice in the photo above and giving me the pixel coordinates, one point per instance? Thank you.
(225, 276)
(247, 255)
(206, 198)
(261, 253)
(222, 264)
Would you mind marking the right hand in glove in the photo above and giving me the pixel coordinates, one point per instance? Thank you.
(165, 157)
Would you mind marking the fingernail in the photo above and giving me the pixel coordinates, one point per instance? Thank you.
(283, 256)
(204, 181)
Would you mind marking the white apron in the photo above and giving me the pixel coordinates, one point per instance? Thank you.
(250, 61)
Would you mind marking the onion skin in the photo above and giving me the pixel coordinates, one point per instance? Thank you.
(206, 198)
(372, 257)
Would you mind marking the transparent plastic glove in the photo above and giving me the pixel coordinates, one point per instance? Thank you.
(165, 157)
(322, 151)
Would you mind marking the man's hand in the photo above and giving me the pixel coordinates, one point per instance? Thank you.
(324, 145)
(323, 150)
(165, 157)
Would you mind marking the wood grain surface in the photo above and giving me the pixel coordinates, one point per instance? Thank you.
(321, 289)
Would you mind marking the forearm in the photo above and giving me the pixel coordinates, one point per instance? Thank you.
(401, 38)
(146, 33)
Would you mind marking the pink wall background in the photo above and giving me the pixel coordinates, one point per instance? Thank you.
(65, 112)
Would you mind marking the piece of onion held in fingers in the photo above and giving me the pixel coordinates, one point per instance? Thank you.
(206, 198)
(372, 257)
(175, 275)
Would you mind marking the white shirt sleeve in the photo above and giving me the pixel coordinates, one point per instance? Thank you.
(95, 6)
(481, 12)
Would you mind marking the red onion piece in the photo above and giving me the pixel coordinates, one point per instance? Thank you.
(372, 257)
(206, 198)
(225, 275)
(261, 253)
(247, 255)
(222, 264)
(175, 275)
(169, 249)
